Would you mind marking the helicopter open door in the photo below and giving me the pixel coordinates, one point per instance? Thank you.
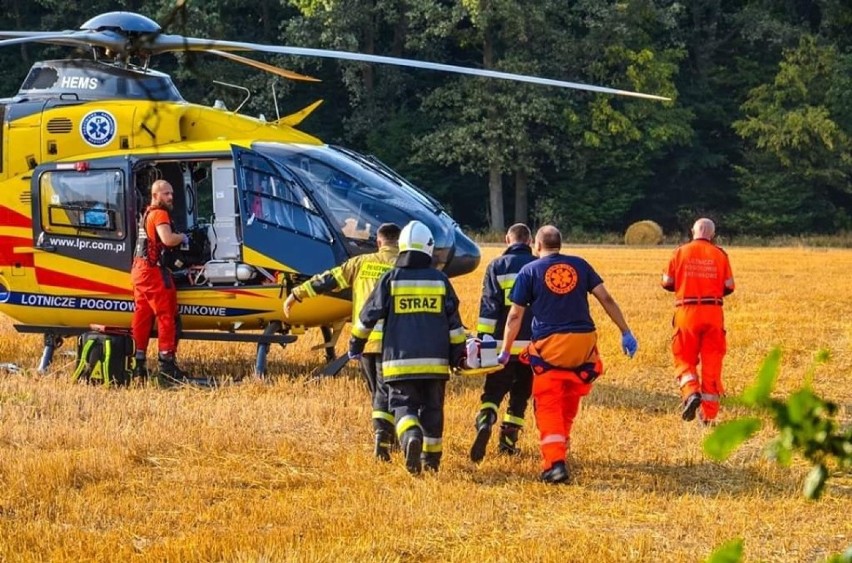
(81, 215)
(282, 228)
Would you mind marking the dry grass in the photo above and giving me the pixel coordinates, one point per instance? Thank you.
(283, 471)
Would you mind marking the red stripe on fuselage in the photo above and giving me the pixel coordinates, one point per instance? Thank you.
(7, 251)
(66, 281)
(10, 218)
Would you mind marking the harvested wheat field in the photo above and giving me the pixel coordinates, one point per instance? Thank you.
(282, 470)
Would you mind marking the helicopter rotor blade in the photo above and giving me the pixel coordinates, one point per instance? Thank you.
(263, 66)
(105, 39)
(195, 44)
(155, 43)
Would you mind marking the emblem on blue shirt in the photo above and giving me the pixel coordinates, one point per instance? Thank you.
(98, 128)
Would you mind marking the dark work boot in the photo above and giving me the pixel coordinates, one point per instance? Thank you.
(690, 406)
(431, 461)
(412, 446)
(557, 474)
(384, 441)
(169, 373)
(484, 421)
(140, 372)
(509, 439)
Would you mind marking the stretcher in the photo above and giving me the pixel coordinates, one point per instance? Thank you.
(473, 372)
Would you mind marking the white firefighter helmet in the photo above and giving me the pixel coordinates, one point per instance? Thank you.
(416, 236)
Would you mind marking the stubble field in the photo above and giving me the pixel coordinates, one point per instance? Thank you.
(282, 470)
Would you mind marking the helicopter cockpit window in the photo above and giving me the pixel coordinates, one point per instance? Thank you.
(358, 198)
(83, 203)
(273, 199)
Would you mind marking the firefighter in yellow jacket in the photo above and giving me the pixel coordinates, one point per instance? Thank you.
(361, 273)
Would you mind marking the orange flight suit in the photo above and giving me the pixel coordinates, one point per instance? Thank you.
(154, 291)
(699, 274)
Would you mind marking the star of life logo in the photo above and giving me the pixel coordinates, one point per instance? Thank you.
(98, 128)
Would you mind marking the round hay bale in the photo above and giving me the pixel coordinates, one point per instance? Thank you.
(643, 232)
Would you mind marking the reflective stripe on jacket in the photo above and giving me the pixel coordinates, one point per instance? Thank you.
(423, 334)
(361, 273)
(494, 303)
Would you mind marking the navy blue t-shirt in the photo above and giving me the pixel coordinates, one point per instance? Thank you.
(556, 289)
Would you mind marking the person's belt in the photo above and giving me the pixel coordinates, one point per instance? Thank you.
(699, 301)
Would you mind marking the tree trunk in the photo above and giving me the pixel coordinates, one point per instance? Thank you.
(495, 177)
(495, 198)
(521, 196)
(370, 49)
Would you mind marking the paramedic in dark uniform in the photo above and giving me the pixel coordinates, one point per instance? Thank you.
(516, 378)
(422, 339)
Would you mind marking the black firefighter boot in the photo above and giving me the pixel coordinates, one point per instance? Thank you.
(509, 439)
(384, 443)
(412, 446)
(169, 373)
(484, 421)
(432, 461)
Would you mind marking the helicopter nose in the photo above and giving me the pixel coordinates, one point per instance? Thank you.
(465, 257)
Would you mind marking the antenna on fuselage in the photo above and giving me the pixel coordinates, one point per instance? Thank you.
(275, 100)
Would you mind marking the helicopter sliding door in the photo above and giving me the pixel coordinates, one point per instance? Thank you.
(283, 230)
(81, 215)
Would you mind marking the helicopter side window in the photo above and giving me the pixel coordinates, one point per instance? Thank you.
(86, 204)
(273, 199)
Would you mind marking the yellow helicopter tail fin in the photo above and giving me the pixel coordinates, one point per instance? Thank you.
(296, 118)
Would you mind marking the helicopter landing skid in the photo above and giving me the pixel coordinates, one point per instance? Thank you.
(54, 336)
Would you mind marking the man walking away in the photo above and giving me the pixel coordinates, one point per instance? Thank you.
(516, 378)
(563, 352)
(422, 339)
(699, 274)
(362, 273)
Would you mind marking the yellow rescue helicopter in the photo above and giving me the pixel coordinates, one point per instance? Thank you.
(266, 205)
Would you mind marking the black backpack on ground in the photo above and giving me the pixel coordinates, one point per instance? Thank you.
(105, 358)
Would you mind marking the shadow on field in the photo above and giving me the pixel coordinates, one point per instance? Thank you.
(706, 479)
(653, 402)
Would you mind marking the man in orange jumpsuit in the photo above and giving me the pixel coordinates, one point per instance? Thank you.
(154, 291)
(563, 351)
(699, 274)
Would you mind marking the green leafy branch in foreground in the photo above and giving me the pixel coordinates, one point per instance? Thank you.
(732, 552)
(805, 424)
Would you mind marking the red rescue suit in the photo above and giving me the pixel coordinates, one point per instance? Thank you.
(154, 291)
(699, 274)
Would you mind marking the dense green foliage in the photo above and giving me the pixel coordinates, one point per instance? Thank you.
(757, 135)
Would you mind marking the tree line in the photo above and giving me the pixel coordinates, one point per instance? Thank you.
(757, 135)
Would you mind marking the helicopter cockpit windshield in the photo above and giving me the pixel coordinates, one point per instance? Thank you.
(358, 195)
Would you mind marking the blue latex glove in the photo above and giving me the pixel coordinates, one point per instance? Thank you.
(503, 357)
(629, 344)
(354, 355)
(185, 240)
